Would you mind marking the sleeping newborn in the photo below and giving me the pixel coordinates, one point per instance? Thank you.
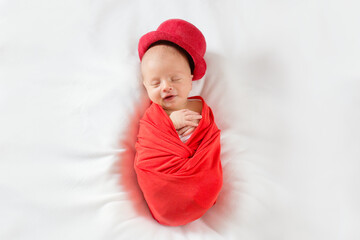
(177, 160)
(167, 77)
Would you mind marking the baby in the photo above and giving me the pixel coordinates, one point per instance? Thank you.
(180, 181)
(170, 57)
(167, 77)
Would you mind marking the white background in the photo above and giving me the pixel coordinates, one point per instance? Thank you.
(283, 81)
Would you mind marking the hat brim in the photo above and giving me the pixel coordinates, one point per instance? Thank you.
(154, 36)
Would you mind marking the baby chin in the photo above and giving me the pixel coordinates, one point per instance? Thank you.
(173, 102)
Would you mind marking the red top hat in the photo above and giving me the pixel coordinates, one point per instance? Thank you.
(182, 33)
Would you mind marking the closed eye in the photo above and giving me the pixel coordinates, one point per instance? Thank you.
(155, 83)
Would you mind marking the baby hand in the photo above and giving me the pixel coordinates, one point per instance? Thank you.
(185, 117)
(186, 130)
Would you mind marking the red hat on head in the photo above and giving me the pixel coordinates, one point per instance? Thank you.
(182, 33)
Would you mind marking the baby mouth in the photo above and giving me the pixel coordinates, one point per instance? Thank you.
(169, 98)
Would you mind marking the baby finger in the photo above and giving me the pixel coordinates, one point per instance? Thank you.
(183, 130)
(191, 123)
(189, 131)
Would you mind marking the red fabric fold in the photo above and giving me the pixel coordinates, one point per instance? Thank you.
(180, 181)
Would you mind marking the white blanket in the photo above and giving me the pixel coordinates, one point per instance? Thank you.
(283, 81)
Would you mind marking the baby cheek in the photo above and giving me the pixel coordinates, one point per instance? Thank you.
(187, 89)
(154, 94)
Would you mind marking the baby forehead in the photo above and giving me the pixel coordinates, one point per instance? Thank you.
(161, 50)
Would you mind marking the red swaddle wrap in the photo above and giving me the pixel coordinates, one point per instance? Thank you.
(180, 181)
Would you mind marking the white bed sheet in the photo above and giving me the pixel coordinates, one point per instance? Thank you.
(283, 81)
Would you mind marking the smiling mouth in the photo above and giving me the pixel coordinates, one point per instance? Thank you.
(168, 98)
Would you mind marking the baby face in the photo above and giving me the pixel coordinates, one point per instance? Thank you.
(167, 77)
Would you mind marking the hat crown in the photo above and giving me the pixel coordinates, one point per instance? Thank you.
(183, 34)
(189, 34)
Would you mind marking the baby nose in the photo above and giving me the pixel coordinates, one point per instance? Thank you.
(166, 86)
